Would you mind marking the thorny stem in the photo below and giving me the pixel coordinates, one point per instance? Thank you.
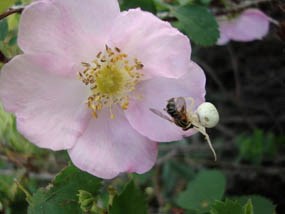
(157, 186)
(7, 13)
(44, 176)
(236, 167)
(234, 62)
(28, 195)
(11, 11)
(236, 7)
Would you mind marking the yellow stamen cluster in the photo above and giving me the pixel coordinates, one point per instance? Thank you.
(111, 78)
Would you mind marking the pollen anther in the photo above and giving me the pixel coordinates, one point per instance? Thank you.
(112, 77)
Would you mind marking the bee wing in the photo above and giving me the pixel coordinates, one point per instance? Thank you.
(181, 105)
(159, 113)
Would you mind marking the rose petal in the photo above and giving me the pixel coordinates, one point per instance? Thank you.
(49, 108)
(155, 94)
(223, 39)
(163, 50)
(111, 146)
(252, 24)
(67, 27)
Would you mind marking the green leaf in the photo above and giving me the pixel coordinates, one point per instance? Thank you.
(130, 201)
(147, 5)
(257, 146)
(261, 205)
(5, 4)
(13, 40)
(207, 187)
(3, 29)
(198, 23)
(227, 207)
(248, 207)
(13, 21)
(8, 188)
(61, 196)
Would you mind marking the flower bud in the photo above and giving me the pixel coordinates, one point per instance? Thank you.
(86, 200)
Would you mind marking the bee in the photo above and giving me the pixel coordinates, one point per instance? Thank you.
(205, 116)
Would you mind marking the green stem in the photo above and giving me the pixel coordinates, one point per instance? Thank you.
(28, 195)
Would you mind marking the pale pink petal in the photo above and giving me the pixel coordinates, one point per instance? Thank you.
(250, 25)
(162, 49)
(67, 27)
(111, 146)
(223, 39)
(49, 107)
(155, 93)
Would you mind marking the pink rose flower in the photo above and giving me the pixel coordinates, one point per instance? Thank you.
(87, 78)
(250, 25)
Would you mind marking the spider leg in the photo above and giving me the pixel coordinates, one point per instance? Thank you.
(202, 130)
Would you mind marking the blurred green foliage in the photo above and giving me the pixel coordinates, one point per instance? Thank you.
(62, 195)
(8, 188)
(74, 191)
(201, 192)
(248, 207)
(258, 146)
(11, 140)
(3, 29)
(81, 192)
(5, 4)
(131, 200)
(230, 207)
(261, 205)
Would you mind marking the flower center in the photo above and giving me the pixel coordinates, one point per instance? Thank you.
(111, 77)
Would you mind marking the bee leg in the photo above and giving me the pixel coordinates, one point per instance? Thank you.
(202, 130)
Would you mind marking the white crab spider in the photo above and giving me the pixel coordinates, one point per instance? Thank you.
(205, 116)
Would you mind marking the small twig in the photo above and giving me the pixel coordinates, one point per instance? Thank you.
(237, 7)
(25, 191)
(181, 150)
(232, 166)
(234, 62)
(226, 131)
(38, 176)
(211, 73)
(11, 11)
(157, 186)
(167, 157)
(254, 118)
